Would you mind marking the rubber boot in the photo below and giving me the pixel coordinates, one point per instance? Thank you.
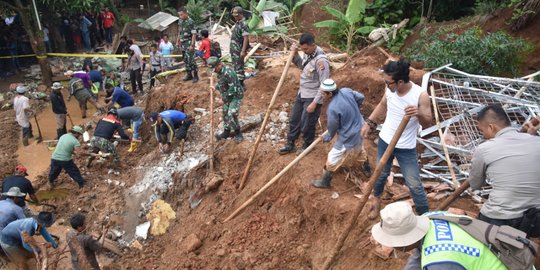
(288, 148)
(188, 76)
(195, 76)
(224, 135)
(324, 182)
(238, 136)
(134, 146)
(25, 141)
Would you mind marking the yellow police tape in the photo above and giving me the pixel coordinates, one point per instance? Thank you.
(81, 55)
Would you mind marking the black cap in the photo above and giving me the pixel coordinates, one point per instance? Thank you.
(45, 218)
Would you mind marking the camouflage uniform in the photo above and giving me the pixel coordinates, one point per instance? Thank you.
(239, 31)
(187, 29)
(101, 144)
(232, 93)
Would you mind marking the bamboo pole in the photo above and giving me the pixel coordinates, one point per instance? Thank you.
(211, 146)
(266, 117)
(454, 196)
(441, 135)
(251, 52)
(370, 185)
(276, 178)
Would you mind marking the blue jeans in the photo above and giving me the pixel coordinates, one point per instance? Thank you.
(108, 35)
(136, 126)
(86, 40)
(27, 131)
(408, 164)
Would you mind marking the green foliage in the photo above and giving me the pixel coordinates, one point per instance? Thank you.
(395, 45)
(482, 7)
(490, 54)
(164, 6)
(74, 6)
(345, 25)
(196, 10)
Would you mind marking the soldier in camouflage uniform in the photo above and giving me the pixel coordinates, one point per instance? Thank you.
(239, 42)
(186, 42)
(232, 92)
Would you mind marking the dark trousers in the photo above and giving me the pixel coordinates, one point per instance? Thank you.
(135, 77)
(70, 168)
(108, 35)
(302, 122)
(152, 74)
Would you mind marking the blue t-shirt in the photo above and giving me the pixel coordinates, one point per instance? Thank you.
(122, 97)
(166, 48)
(12, 233)
(173, 116)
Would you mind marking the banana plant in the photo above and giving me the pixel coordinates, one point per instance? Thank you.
(348, 22)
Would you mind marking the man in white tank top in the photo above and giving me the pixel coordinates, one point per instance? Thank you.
(402, 97)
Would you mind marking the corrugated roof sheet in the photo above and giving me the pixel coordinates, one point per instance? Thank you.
(159, 21)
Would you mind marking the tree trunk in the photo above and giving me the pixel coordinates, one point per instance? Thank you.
(529, 11)
(60, 45)
(36, 41)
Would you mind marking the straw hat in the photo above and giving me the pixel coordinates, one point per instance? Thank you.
(399, 226)
(328, 85)
(14, 192)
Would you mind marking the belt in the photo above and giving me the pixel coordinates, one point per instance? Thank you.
(156, 65)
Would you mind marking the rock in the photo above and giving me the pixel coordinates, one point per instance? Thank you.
(214, 183)
(200, 110)
(283, 117)
(220, 252)
(160, 217)
(192, 243)
(142, 230)
(136, 245)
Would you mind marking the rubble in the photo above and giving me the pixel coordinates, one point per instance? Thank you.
(192, 243)
(142, 230)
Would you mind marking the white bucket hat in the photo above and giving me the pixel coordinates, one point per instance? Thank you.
(56, 85)
(14, 192)
(21, 89)
(399, 226)
(328, 85)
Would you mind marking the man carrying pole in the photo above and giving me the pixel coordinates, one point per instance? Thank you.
(344, 119)
(402, 98)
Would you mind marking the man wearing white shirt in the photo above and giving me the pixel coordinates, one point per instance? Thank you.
(166, 48)
(402, 97)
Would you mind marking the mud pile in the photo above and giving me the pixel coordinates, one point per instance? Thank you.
(292, 225)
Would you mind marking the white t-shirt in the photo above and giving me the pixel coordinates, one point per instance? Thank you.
(395, 112)
(45, 34)
(19, 104)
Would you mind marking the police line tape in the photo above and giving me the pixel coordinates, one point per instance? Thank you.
(82, 55)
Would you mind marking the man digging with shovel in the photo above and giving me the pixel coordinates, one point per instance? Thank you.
(345, 120)
(59, 109)
(62, 157)
(21, 104)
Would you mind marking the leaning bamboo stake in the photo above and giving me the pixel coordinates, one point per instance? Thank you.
(441, 135)
(277, 177)
(454, 196)
(266, 117)
(251, 52)
(211, 146)
(370, 185)
(218, 23)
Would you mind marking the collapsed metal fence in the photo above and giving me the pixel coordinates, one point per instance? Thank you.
(459, 97)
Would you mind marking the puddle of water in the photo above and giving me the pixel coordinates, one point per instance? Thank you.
(57, 193)
(37, 157)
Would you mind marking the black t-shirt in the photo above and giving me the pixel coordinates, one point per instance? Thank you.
(17, 181)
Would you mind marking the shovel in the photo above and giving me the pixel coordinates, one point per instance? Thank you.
(39, 138)
(70, 120)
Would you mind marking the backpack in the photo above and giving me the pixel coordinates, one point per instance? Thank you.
(510, 245)
(215, 49)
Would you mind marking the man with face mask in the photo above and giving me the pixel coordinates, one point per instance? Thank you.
(510, 160)
(402, 97)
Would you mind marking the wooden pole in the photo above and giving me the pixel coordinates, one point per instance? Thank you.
(251, 52)
(454, 196)
(265, 120)
(441, 135)
(370, 185)
(211, 146)
(277, 177)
